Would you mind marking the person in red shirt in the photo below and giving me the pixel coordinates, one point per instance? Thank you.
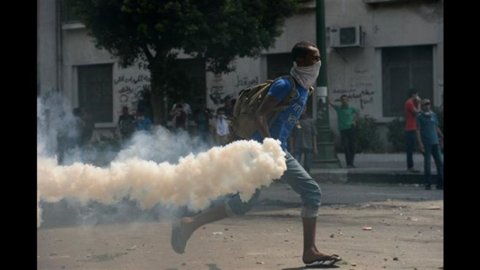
(412, 108)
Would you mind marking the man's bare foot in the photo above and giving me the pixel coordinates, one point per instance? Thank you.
(181, 232)
(313, 255)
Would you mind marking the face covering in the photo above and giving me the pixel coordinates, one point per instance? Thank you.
(306, 76)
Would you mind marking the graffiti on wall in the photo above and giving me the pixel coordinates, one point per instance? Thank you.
(218, 91)
(362, 96)
(245, 82)
(217, 94)
(130, 88)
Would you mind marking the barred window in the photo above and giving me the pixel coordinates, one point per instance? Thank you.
(95, 91)
(404, 68)
(278, 64)
(68, 13)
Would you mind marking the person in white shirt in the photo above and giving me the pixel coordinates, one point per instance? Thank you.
(222, 130)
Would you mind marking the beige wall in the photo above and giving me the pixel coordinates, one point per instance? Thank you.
(352, 70)
(46, 46)
(79, 50)
(358, 71)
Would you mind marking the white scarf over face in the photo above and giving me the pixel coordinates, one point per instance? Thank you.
(306, 76)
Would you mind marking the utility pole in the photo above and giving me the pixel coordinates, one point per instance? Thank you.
(326, 157)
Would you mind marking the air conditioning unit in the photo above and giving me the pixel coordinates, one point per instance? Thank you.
(350, 36)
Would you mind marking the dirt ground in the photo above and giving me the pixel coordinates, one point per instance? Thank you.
(403, 235)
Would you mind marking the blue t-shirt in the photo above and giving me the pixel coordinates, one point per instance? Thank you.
(144, 124)
(282, 126)
(428, 123)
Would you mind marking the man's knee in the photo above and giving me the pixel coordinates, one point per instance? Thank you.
(312, 198)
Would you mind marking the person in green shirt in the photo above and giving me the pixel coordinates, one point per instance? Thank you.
(347, 119)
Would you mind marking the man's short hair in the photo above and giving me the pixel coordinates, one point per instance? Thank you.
(343, 96)
(425, 101)
(301, 49)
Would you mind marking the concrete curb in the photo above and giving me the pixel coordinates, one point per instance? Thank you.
(368, 176)
(374, 168)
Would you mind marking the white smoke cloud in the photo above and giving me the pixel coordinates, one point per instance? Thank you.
(161, 145)
(173, 169)
(195, 181)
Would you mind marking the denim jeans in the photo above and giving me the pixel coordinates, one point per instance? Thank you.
(433, 150)
(348, 142)
(410, 138)
(300, 181)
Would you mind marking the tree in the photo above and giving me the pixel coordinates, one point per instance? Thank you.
(155, 31)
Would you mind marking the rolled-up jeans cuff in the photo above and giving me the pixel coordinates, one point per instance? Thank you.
(309, 212)
(229, 210)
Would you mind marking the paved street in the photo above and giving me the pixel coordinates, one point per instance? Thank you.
(406, 232)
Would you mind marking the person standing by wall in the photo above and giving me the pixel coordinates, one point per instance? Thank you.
(186, 108)
(347, 120)
(126, 124)
(202, 118)
(143, 122)
(145, 104)
(222, 129)
(430, 140)
(88, 128)
(228, 106)
(411, 108)
(179, 117)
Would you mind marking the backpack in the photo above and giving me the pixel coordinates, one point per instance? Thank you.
(243, 124)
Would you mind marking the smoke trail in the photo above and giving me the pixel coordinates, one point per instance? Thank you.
(161, 145)
(149, 169)
(241, 167)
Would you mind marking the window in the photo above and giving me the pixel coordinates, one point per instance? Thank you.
(278, 64)
(404, 68)
(68, 13)
(95, 91)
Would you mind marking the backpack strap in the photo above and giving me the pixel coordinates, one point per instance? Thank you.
(291, 95)
(286, 101)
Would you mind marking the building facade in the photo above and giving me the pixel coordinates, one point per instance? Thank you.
(376, 51)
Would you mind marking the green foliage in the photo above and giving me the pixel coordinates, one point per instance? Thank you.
(367, 137)
(396, 134)
(153, 31)
(216, 30)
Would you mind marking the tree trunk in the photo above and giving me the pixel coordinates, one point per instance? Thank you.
(156, 110)
(158, 92)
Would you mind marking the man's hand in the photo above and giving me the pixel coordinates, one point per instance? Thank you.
(422, 148)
